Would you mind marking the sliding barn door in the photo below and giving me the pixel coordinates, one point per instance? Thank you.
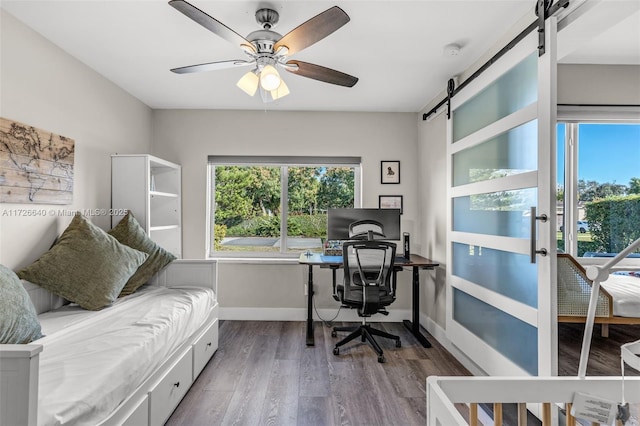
(501, 138)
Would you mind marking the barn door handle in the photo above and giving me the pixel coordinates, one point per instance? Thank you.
(542, 218)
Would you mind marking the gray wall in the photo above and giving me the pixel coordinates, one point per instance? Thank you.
(44, 87)
(189, 136)
(599, 84)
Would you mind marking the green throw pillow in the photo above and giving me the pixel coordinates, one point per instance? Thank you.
(18, 320)
(129, 232)
(86, 266)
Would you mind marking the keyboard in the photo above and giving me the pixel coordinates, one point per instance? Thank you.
(400, 259)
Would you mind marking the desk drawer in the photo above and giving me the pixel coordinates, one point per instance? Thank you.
(166, 395)
(204, 348)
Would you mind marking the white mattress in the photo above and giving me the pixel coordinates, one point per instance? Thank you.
(91, 361)
(625, 291)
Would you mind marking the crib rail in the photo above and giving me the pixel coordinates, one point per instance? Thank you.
(540, 394)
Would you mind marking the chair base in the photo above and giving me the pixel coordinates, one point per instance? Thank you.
(366, 333)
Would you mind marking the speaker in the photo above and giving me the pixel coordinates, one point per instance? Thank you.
(405, 245)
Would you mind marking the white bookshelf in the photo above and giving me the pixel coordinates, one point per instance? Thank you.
(151, 188)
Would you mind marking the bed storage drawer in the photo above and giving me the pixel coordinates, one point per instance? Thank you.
(140, 414)
(204, 348)
(168, 392)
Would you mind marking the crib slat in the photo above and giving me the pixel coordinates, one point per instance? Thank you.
(546, 414)
(473, 414)
(497, 414)
(522, 414)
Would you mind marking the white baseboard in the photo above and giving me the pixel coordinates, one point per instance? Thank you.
(300, 314)
(440, 334)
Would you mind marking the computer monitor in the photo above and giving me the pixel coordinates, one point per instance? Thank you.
(340, 220)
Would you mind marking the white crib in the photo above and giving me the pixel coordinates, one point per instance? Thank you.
(541, 395)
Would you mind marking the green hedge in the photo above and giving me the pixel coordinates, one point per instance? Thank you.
(269, 226)
(614, 222)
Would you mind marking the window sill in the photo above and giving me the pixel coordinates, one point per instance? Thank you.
(258, 260)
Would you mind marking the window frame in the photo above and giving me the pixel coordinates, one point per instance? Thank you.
(572, 116)
(284, 162)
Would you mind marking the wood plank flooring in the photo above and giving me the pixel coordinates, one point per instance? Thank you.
(264, 374)
(604, 356)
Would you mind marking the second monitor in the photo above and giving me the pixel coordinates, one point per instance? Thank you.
(340, 221)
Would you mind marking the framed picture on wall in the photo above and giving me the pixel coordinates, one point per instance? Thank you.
(390, 202)
(389, 172)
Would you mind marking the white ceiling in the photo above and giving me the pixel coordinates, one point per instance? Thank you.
(394, 47)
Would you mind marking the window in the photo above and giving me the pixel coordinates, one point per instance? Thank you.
(265, 206)
(598, 189)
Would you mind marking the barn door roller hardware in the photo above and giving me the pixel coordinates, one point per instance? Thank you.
(549, 8)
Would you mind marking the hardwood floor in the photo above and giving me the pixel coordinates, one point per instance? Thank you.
(604, 356)
(263, 374)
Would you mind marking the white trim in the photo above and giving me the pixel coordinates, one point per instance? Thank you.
(255, 260)
(503, 303)
(547, 147)
(300, 314)
(599, 113)
(496, 128)
(283, 163)
(515, 245)
(570, 187)
(507, 183)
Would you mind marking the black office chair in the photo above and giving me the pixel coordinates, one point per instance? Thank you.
(369, 286)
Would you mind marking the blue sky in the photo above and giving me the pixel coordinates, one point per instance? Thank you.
(607, 152)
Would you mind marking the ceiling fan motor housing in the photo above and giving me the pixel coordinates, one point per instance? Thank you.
(265, 39)
(267, 18)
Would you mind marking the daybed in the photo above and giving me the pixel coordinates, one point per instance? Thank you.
(118, 354)
(618, 298)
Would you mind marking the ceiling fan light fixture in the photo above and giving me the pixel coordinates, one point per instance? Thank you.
(270, 78)
(249, 83)
(281, 91)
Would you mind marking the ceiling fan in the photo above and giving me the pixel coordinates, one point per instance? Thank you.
(267, 50)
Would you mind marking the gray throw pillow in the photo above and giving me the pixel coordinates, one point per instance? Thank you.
(129, 232)
(18, 319)
(86, 266)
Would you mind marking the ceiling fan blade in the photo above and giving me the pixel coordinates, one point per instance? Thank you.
(211, 66)
(320, 73)
(313, 30)
(210, 23)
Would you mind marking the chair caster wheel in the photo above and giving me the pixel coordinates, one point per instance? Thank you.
(334, 334)
(336, 351)
(381, 359)
(398, 344)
